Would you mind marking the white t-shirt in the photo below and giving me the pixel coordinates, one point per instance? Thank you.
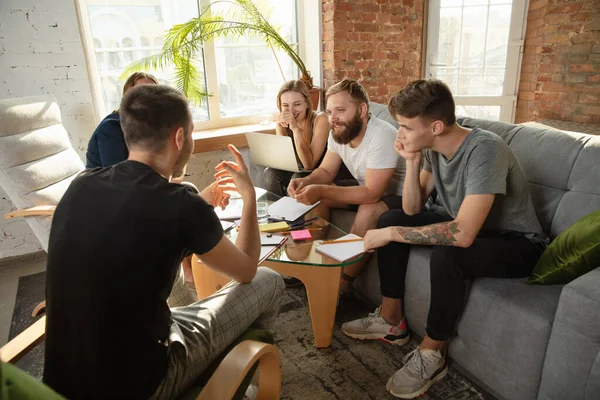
(376, 151)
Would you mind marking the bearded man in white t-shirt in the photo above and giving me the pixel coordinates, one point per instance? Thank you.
(365, 144)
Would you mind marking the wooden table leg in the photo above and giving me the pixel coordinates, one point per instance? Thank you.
(322, 287)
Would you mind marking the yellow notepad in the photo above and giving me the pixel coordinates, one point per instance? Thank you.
(274, 227)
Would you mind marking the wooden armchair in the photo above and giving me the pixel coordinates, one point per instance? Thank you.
(221, 386)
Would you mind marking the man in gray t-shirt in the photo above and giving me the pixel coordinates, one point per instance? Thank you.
(482, 224)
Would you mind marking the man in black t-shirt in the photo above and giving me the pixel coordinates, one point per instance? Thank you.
(117, 240)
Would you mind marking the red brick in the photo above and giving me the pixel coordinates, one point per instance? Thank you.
(584, 68)
(589, 99)
(594, 78)
(537, 4)
(564, 9)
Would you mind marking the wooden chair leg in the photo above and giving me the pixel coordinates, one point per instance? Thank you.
(40, 308)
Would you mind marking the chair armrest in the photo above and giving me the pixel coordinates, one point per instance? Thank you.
(234, 367)
(23, 342)
(31, 212)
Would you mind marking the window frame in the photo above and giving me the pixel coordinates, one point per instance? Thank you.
(516, 40)
(210, 70)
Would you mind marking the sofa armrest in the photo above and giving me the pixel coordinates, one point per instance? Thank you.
(36, 211)
(572, 363)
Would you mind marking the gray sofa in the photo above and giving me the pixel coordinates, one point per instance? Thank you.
(517, 340)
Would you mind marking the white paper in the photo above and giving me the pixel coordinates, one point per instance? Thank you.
(343, 251)
(235, 206)
(289, 209)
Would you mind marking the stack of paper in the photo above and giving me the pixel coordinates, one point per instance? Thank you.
(274, 227)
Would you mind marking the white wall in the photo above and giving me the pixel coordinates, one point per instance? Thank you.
(41, 53)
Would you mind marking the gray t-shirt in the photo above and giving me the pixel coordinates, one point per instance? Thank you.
(484, 164)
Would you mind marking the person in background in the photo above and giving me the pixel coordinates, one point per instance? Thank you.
(308, 129)
(107, 144)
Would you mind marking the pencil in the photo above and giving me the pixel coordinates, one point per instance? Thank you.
(310, 229)
(342, 241)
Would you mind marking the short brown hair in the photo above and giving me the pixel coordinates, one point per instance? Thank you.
(353, 88)
(430, 99)
(150, 113)
(136, 76)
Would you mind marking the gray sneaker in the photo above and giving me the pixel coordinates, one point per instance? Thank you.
(374, 327)
(422, 368)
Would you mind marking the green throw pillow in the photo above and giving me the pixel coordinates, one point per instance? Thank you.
(573, 253)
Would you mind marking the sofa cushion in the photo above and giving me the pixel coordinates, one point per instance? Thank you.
(573, 253)
(503, 333)
(562, 171)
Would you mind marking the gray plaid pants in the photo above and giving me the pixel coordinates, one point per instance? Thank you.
(201, 331)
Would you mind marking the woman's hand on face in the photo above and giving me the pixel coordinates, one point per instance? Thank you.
(289, 119)
(281, 120)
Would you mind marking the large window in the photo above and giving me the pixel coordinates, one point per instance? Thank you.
(475, 47)
(242, 74)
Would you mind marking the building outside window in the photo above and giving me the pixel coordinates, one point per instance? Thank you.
(242, 74)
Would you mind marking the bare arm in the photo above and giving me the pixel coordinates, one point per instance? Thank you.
(310, 154)
(376, 181)
(460, 232)
(238, 261)
(323, 175)
(417, 188)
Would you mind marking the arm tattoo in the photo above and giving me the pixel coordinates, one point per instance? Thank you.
(442, 234)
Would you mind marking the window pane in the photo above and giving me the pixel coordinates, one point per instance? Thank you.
(248, 73)
(124, 31)
(472, 48)
(491, 113)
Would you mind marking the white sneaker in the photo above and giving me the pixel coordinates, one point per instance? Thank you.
(374, 327)
(422, 368)
(251, 393)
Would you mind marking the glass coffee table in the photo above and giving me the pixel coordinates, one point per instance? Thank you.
(319, 273)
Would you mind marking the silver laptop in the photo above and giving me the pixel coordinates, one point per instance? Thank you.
(272, 151)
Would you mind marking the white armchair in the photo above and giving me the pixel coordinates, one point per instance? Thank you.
(37, 160)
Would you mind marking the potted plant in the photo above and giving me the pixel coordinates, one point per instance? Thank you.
(183, 44)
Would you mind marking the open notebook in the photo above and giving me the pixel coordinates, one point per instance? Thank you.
(343, 251)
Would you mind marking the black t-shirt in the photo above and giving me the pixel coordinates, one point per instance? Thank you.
(117, 240)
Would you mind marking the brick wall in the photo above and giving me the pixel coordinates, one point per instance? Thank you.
(560, 76)
(377, 42)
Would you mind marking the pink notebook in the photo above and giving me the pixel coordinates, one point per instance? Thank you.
(303, 234)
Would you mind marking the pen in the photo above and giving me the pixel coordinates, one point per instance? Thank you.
(342, 241)
(300, 223)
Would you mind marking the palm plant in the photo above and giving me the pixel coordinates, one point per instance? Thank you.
(183, 43)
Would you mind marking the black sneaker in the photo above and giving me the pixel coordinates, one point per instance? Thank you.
(291, 282)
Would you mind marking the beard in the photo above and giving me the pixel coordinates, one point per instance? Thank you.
(347, 131)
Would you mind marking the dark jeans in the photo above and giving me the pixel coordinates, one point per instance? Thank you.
(507, 255)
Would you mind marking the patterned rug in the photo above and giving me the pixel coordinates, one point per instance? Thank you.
(349, 369)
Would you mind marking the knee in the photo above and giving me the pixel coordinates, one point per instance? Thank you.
(271, 279)
(443, 261)
(268, 175)
(393, 218)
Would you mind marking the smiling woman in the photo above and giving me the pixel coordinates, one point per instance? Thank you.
(307, 128)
